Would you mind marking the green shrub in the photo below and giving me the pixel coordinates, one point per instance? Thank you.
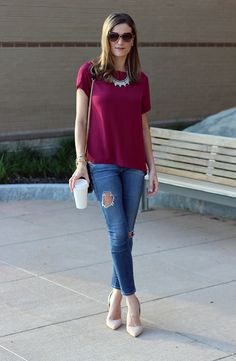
(3, 172)
(30, 163)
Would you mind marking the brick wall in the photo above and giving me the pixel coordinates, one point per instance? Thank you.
(188, 50)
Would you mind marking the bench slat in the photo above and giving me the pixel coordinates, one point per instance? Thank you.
(224, 158)
(181, 173)
(199, 185)
(173, 150)
(224, 173)
(193, 137)
(226, 166)
(180, 158)
(229, 151)
(182, 166)
(196, 176)
(185, 145)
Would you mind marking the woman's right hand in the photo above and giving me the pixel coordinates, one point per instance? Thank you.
(81, 171)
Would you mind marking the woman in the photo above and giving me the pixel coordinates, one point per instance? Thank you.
(119, 151)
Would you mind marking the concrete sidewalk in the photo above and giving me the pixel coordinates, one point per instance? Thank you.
(55, 277)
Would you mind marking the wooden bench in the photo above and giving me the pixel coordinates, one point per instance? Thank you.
(198, 166)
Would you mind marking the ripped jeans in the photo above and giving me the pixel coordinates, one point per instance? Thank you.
(118, 191)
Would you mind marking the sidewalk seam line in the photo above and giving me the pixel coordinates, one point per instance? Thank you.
(51, 237)
(190, 291)
(34, 275)
(225, 357)
(53, 324)
(48, 273)
(69, 288)
(6, 349)
(184, 246)
(203, 343)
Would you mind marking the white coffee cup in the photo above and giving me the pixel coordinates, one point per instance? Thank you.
(81, 193)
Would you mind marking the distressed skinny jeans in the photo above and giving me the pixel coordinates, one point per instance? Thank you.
(118, 190)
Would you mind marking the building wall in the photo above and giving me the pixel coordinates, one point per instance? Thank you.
(187, 48)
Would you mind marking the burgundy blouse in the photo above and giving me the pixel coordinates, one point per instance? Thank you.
(116, 132)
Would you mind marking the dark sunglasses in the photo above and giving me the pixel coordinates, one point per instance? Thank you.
(127, 37)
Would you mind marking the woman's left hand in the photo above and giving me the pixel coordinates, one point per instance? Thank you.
(153, 182)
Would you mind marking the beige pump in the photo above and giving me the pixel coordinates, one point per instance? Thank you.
(135, 330)
(113, 324)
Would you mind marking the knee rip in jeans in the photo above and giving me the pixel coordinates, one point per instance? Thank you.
(131, 234)
(107, 199)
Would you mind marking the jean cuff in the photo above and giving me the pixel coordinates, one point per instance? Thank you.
(128, 293)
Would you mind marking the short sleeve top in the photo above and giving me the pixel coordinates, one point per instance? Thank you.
(115, 131)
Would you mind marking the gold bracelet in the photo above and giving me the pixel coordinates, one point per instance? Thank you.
(80, 160)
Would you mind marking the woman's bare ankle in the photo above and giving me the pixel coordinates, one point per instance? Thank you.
(131, 300)
(133, 314)
(115, 304)
(117, 293)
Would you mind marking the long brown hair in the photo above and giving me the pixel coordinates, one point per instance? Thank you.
(103, 66)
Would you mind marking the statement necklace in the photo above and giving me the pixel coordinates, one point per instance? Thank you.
(121, 83)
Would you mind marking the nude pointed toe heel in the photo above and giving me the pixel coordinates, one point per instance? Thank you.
(113, 324)
(135, 331)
